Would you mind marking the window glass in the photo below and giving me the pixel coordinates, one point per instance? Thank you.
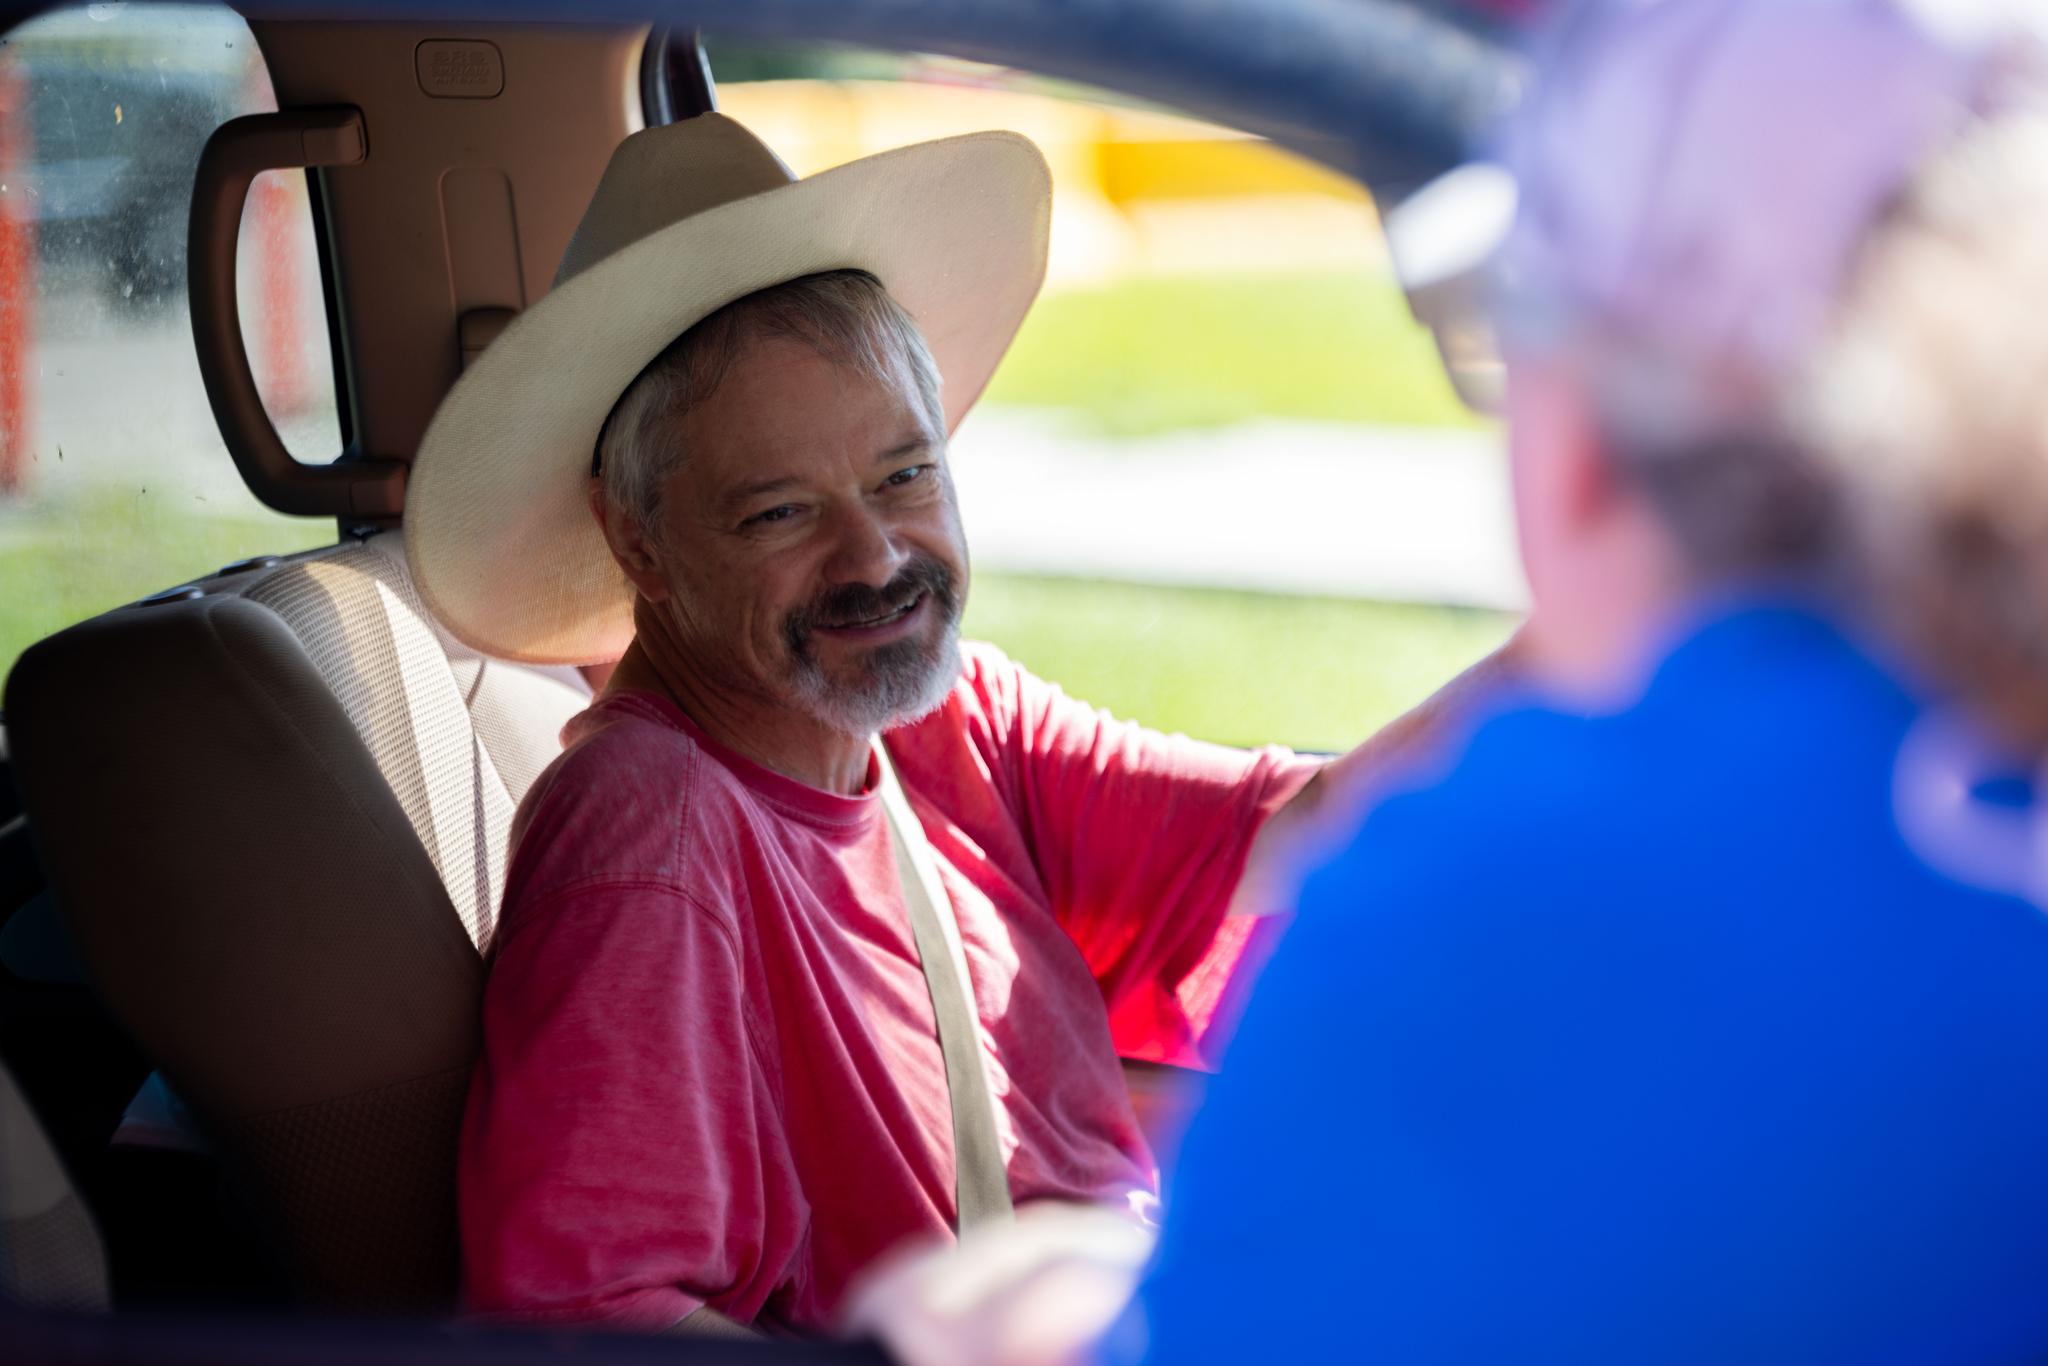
(113, 479)
(1221, 483)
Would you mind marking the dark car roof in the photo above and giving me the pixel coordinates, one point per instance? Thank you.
(1392, 92)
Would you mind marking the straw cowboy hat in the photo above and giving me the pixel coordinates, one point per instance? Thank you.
(688, 218)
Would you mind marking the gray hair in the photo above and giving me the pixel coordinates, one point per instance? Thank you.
(1743, 496)
(846, 315)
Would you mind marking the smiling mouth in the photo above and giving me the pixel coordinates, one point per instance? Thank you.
(886, 619)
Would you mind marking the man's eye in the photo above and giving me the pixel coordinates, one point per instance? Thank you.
(909, 476)
(781, 513)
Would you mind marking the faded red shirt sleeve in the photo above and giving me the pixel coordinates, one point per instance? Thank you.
(623, 1160)
(1140, 838)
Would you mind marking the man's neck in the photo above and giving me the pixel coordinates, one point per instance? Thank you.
(1597, 649)
(789, 743)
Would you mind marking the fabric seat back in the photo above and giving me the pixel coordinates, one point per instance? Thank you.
(51, 1256)
(276, 818)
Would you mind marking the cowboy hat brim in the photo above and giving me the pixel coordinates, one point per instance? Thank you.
(498, 529)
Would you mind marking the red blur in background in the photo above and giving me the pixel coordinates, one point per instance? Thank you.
(17, 279)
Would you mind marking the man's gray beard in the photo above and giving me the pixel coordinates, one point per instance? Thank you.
(907, 681)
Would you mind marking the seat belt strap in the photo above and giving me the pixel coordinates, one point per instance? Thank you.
(982, 1185)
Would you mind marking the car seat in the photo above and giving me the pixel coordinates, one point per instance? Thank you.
(274, 807)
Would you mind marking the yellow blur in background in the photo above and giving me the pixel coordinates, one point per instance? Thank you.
(1135, 191)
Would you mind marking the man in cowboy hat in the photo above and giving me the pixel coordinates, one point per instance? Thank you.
(759, 1010)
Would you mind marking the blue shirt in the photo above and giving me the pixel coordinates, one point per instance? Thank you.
(1644, 1038)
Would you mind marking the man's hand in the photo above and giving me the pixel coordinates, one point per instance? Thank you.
(1327, 795)
(1036, 1290)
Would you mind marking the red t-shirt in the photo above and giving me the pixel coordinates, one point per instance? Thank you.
(710, 1071)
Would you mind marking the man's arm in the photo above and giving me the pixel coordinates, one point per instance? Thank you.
(1329, 793)
(1141, 839)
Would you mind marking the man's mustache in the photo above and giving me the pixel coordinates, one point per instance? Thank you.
(852, 603)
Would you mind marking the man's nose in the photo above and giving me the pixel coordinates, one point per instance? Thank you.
(867, 549)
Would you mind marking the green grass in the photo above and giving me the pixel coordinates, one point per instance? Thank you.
(63, 560)
(1241, 668)
(1244, 668)
(1153, 354)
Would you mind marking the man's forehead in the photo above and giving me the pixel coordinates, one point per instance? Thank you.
(785, 408)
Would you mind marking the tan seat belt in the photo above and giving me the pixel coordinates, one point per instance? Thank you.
(983, 1186)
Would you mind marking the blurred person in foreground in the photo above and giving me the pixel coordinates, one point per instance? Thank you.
(1695, 1007)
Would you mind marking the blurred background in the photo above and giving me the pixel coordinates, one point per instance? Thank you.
(1220, 484)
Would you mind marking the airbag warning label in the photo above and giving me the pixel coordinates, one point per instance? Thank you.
(459, 71)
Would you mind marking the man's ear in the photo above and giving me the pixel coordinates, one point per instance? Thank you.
(1588, 488)
(1564, 453)
(629, 547)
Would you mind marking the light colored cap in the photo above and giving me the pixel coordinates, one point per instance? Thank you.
(1697, 175)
